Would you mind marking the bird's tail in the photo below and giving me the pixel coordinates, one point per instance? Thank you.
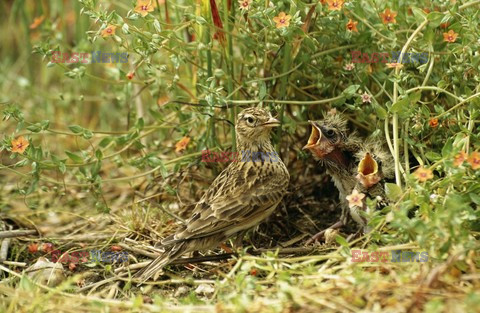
(166, 258)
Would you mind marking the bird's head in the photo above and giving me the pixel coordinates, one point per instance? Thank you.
(375, 164)
(254, 126)
(327, 136)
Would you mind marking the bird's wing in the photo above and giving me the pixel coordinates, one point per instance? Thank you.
(235, 200)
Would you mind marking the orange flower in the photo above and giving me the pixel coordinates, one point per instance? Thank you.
(282, 20)
(19, 145)
(395, 65)
(355, 199)
(109, 31)
(161, 101)
(335, 5)
(388, 17)
(445, 25)
(460, 158)
(352, 26)
(451, 36)
(433, 122)
(244, 4)
(144, 7)
(130, 75)
(423, 174)
(474, 160)
(36, 22)
(182, 144)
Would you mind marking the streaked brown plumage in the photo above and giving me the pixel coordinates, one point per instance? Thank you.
(241, 196)
(351, 163)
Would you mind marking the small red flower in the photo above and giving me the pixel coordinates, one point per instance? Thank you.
(388, 17)
(130, 75)
(116, 248)
(423, 174)
(450, 37)
(474, 160)
(433, 122)
(19, 145)
(33, 247)
(460, 158)
(47, 247)
(352, 26)
(335, 5)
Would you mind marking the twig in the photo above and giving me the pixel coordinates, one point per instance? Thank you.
(4, 249)
(17, 233)
(12, 263)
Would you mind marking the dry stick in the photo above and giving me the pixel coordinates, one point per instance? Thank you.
(4, 249)
(218, 257)
(13, 263)
(17, 233)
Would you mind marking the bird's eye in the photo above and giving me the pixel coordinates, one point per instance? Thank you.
(330, 133)
(250, 120)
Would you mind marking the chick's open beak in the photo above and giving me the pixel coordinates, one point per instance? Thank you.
(368, 171)
(272, 122)
(315, 136)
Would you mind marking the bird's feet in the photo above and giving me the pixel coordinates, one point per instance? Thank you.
(319, 235)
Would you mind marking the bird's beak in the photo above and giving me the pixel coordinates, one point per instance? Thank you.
(368, 171)
(315, 136)
(272, 122)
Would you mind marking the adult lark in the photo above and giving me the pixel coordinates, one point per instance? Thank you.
(241, 196)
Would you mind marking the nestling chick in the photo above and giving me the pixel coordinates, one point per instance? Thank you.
(351, 163)
(374, 167)
(335, 147)
(242, 195)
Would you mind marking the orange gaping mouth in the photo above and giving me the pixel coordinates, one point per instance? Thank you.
(368, 171)
(367, 165)
(314, 138)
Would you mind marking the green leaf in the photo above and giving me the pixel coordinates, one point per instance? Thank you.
(74, 157)
(105, 141)
(62, 167)
(262, 90)
(475, 198)
(415, 97)
(435, 18)
(157, 25)
(341, 241)
(35, 128)
(401, 106)
(433, 156)
(381, 112)
(419, 14)
(393, 191)
(44, 124)
(350, 90)
(76, 129)
(447, 148)
(140, 124)
(87, 134)
(99, 154)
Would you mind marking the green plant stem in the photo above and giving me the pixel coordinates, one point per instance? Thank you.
(283, 88)
(228, 52)
(313, 102)
(396, 141)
